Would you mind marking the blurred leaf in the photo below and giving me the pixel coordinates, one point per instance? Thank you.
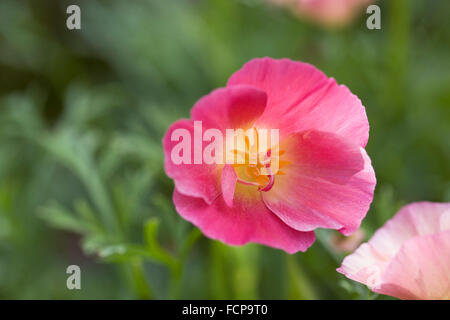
(299, 285)
(59, 217)
(86, 213)
(75, 152)
(122, 252)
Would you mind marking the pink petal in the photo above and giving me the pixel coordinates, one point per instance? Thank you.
(414, 220)
(420, 270)
(227, 108)
(247, 221)
(197, 180)
(365, 265)
(300, 97)
(229, 179)
(329, 183)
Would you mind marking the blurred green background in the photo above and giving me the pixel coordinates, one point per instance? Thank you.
(83, 112)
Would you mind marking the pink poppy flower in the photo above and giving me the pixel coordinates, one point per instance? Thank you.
(326, 12)
(409, 257)
(325, 178)
(347, 244)
(331, 12)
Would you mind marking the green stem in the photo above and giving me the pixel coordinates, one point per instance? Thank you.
(245, 276)
(178, 267)
(397, 55)
(175, 281)
(139, 280)
(220, 288)
(235, 271)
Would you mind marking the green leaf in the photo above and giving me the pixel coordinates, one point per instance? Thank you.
(122, 252)
(94, 242)
(75, 151)
(61, 218)
(86, 213)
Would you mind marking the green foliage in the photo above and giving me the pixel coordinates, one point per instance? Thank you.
(82, 115)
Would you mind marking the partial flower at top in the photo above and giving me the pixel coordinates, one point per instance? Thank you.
(324, 177)
(330, 13)
(347, 244)
(409, 257)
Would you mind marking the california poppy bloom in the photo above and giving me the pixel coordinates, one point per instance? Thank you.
(409, 257)
(326, 12)
(347, 244)
(323, 179)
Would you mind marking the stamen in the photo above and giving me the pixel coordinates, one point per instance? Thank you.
(271, 177)
(253, 171)
(284, 163)
(248, 183)
(269, 185)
